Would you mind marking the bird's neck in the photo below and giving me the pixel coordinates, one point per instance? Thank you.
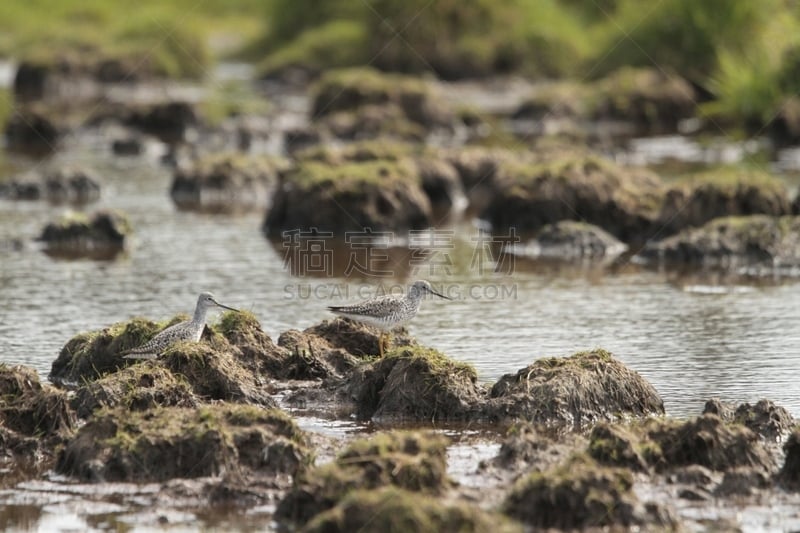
(199, 315)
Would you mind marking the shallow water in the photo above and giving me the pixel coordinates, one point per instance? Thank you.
(691, 337)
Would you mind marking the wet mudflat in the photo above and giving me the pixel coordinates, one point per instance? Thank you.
(692, 336)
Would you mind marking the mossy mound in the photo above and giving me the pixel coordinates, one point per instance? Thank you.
(624, 202)
(663, 444)
(582, 494)
(652, 100)
(88, 356)
(582, 389)
(722, 192)
(437, 176)
(416, 384)
(225, 183)
(414, 461)
(767, 242)
(137, 388)
(352, 89)
(102, 234)
(29, 409)
(227, 363)
(379, 195)
(393, 509)
(557, 100)
(386, 122)
(166, 443)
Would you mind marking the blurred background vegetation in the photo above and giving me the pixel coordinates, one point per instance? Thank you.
(742, 55)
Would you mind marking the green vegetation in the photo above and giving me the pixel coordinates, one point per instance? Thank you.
(413, 461)
(393, 509)
(351, 175)
(165, 38)
(742, 54)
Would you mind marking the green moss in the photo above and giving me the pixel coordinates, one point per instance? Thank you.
(438, 364)
(351, 175)
(577, 494)
(411, 460)
(236, 322)
(360, 151)
(156, 35)
(230, 99)
(350, 88)
(636, 34)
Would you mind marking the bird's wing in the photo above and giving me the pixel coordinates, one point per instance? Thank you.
(148, 350)
(377, 308)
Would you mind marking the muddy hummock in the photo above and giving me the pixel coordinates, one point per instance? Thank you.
(574, 391)
(380, 195)
(34, 418)
(646, 100)
(582, 494)
(225, 183)
(570, 240)
(101, 235)
(704, 196)
(757, 242)
(172, 442)
(413, 461)
(393, 509)
(362, 103)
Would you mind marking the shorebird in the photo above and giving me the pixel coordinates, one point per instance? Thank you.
(183, 331)
(386, 312)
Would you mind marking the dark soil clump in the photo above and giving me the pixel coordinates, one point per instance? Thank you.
(412, 461)
(393, 509)
(581, 494)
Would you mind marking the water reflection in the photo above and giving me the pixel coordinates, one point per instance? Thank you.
(19, 517)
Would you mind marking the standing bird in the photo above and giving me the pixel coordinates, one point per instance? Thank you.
(183, 331)
(386, 312)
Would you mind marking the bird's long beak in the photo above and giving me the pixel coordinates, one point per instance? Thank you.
(440, 295)
(225, 306)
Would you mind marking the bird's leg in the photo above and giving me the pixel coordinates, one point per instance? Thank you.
(380, 344)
